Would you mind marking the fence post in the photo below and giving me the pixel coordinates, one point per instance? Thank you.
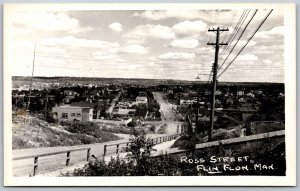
(127, 145)
(88, 154)
(68, 158)
(104, 152)
(156, 141)
(117, 151)
(35, 165)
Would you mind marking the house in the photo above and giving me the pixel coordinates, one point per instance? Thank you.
(187, 102)
(68, 98)
(123, 113)
(95, 106)
(69, 92)
(218, 92)
(142, 93)
(141, 100)
(281, 95)
(240, 92)
(242, 100)
(229, 101)
(72, 113)
(250, 94)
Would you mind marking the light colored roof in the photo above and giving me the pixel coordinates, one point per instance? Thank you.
(141, 97)
(125, 111)
(69, 106)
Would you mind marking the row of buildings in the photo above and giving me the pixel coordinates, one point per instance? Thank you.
(87, 111)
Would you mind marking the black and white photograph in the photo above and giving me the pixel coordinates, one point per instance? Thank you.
(149, 94)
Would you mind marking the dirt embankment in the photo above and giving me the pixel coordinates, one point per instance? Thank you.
(32, 132)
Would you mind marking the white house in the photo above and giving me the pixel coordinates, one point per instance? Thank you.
(72, 113)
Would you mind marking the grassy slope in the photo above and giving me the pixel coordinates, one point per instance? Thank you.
(34, 133)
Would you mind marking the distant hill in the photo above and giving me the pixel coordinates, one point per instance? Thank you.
(136, 81)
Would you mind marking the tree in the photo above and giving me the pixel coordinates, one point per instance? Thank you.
(140, 148)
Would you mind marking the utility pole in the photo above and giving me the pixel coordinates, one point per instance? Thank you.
(214, 84)
(46, 104)
(29, 99)
(197, 109)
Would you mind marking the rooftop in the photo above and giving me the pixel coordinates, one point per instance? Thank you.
(70, 106)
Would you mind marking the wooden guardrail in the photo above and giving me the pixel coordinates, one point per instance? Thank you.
(155, 141)
(231, 141)
(37, 156)
(117, 146)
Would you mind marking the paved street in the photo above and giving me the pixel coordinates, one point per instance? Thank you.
(168, 116)
(113, 103)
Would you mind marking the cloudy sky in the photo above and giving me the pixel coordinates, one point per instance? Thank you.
(169, 44)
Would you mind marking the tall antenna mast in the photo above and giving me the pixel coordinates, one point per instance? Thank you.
(31, 77)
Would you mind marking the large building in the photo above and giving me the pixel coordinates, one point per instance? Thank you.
(72, 113)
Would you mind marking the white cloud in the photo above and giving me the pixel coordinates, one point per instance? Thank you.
(45, 21)
(134, 49)
(159, 15)
(267, 61)
(272, 33)
(117, 27)
(243, 42)
(152, 31)
(135, 41)
(79, 42)
(205, 49)
(107, 57)
(189, 28)
(181, 56)
(247, 57)
(185, 43)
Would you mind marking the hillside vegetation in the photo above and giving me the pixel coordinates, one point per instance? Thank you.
(31, 132)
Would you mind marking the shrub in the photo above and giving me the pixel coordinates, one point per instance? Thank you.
(258, 128)
(221, 134)
(138, 163)
(91, 129)
(18, 143)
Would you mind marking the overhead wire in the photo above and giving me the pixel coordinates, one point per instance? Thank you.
(263, 21)
(237, 41)
(234, 32)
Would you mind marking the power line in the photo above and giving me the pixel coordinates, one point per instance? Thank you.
(238, 38)
(233, 19)
(235, 31)
(247, 42)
